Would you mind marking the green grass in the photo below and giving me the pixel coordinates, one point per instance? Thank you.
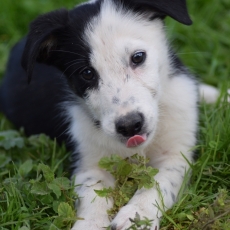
(34, 196)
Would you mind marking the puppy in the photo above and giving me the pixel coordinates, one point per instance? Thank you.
(105, 80)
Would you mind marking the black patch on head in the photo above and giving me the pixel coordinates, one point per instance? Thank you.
(160, 8)
(57, 39)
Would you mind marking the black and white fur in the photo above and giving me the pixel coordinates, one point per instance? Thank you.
(100, 74)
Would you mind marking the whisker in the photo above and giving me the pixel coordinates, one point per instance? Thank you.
(69, 67)
(75, 71)
(65, 51)
(77, 61)
(81, 46)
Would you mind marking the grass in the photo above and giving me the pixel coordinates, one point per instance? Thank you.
(34, 190)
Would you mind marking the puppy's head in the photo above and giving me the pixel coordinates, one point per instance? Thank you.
(115, 57)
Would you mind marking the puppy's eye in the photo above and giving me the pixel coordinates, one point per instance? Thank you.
(138, 58)
(87, 74)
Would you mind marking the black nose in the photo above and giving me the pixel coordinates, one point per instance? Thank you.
(130, 124)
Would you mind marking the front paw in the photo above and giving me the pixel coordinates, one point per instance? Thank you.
(130, 214)
(92, 223)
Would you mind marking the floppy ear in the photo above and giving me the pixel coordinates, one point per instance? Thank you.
(176, 9)
(43, 38)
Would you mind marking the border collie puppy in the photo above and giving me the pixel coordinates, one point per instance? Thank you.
(104, 78)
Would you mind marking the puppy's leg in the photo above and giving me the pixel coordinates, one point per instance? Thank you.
(149, 202)
(91, 207)
(210, 94)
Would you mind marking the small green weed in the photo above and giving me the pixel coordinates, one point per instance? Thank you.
(130, 174)
(215, 216)
(32, 194)
(140, 224)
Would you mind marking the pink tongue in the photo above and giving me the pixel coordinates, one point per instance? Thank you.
(135, 141)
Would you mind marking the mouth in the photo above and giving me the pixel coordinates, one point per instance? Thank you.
(136, 140)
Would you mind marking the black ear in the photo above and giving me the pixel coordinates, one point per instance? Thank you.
(43, 38)
(176, 9)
